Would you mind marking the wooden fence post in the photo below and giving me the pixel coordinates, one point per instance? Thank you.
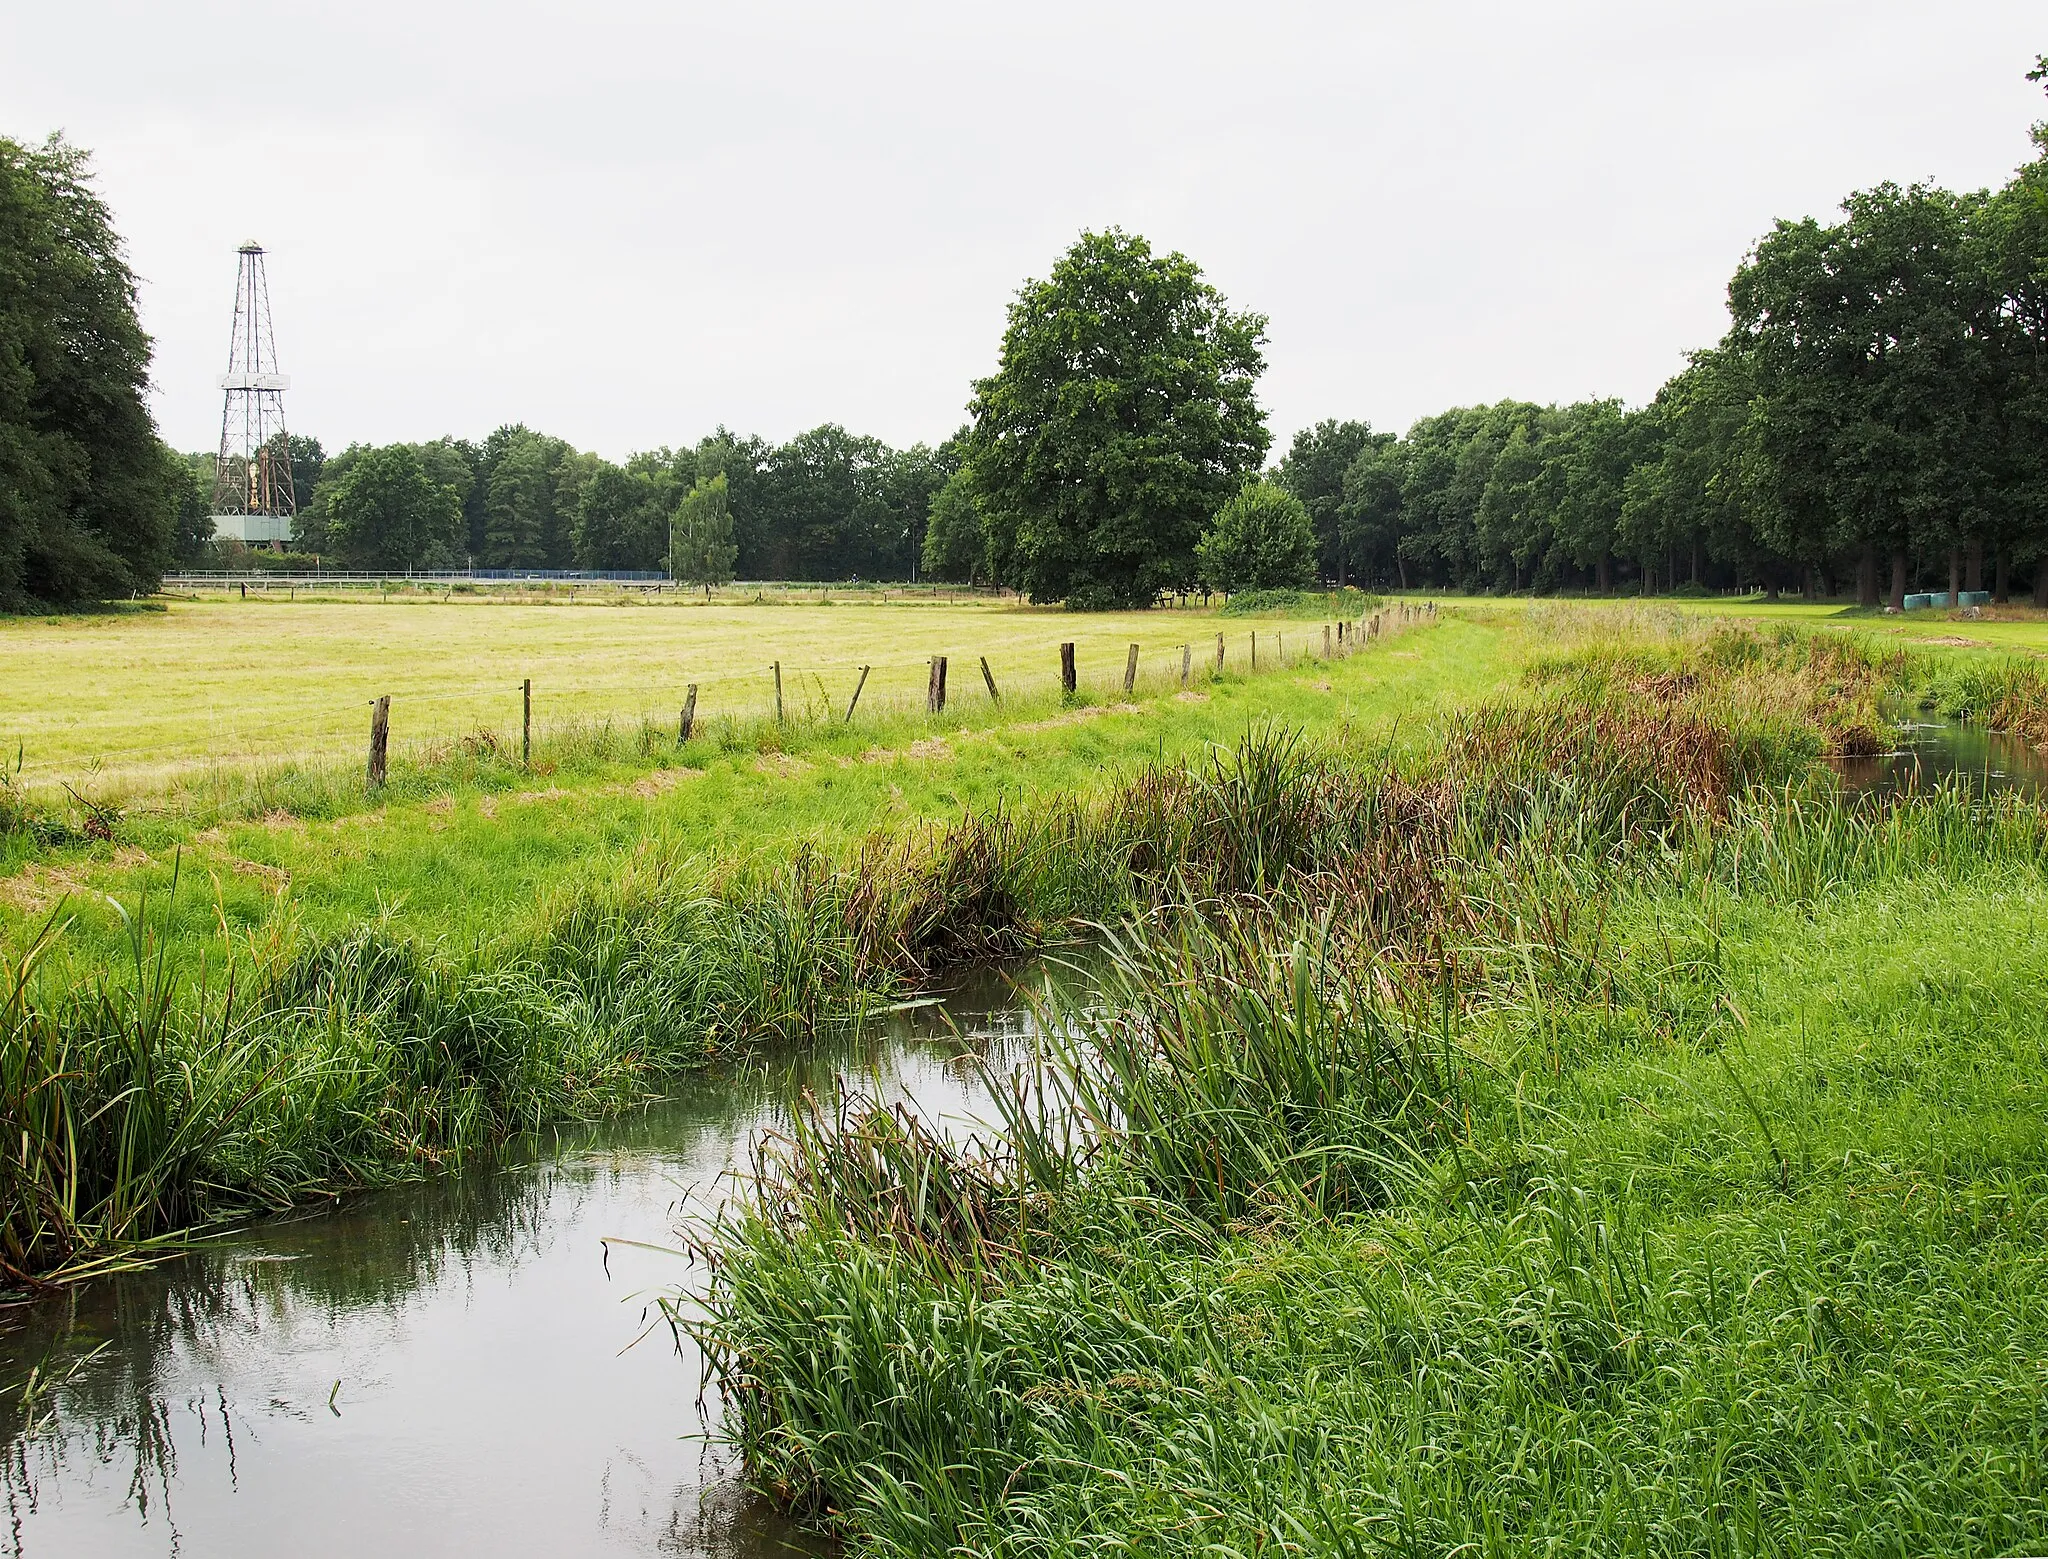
(526, 721)
(990, 678)
(778, 692)
(380, 738)
(863, 682)
(1326, 642)
(1187, 662)
(1219, 654)
(1131, 671)
(689, 715)
(1255, 649)
(1067, 668)
(935, 687)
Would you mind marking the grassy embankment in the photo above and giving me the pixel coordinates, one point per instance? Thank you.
(1590, 1133)
(343, 988)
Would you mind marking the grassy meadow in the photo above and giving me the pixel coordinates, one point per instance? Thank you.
(125, 702)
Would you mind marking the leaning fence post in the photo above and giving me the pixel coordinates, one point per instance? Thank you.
(863, 682)
(689, 715)
(778, 692)
(990, 678)
(1187, 662)
(1130, 671)
(526, 721)
(1067, 668)
(380, 738)
(935, 687)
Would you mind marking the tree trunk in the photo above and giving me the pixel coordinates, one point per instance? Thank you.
(1898, 599)
(1606, 583)
(2001, 578)
(1695, 562)
(1866, 576)
(2041, 582)
(1973, 574)
(1955, 574)
(1401, 568)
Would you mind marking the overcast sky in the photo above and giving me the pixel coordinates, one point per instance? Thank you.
(625, 223)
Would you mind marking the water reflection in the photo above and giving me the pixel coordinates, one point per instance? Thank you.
(1930, 754)
(454, 1367)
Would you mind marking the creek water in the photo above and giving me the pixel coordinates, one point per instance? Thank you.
(461, 1366)
(1931, 752)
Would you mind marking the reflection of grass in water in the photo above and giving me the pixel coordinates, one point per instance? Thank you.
(1674, 1179)
(376, 1255)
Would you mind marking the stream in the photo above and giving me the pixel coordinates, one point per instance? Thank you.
(458, 1366)
(1930, 752)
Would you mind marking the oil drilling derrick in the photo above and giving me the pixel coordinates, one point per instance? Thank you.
(253, 501)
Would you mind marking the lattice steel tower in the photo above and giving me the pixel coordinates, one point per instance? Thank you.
(253, 499)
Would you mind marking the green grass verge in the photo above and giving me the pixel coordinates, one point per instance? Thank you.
(1672, 1178)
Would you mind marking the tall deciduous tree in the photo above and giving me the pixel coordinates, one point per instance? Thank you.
(955, 543)
(1313, 469)
(702, 549)
(88, 498)
(386, 512)
(1122, 415)
(1867, 342)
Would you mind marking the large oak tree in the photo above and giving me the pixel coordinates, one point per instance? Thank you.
(1122, 415)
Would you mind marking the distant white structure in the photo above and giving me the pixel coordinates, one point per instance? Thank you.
(253, 501)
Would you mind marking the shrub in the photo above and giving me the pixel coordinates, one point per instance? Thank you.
(1262, 539)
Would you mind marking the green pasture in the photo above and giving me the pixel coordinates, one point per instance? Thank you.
(133, 701)
(462, 854)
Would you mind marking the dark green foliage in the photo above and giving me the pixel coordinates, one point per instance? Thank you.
(91, 506)
(622, 515)
(1878, 408)
(1122, 415)
(1261, 539)
(1314, 470)
(956, 544)
(525, 525)
(385, 512)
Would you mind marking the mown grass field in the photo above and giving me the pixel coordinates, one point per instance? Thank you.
(466, 851)
(129, 701)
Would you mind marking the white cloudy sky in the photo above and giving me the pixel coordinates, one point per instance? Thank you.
(625, 222)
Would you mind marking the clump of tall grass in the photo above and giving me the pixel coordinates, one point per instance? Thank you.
(115, 1104)
(1830, 687)
(2001, 695)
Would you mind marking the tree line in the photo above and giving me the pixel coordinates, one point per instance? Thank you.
(828, 504)
(1875, 416)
